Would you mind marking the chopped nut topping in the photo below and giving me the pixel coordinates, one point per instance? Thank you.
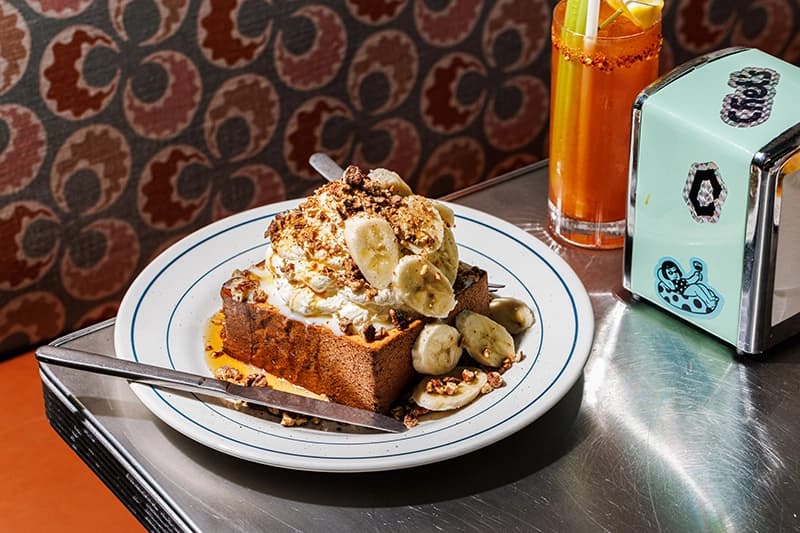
(416, 410)
(314, 229)
(448, 385)
(400, 320)
(346, 326)
(291, 420)
(256, 380)
(508, 362)
(228, 373)
(259, 296)
(434, 385)
(368, 333)
(495, 379)
(241, 285)
(409, 414)
(259, 379)
(313, 223)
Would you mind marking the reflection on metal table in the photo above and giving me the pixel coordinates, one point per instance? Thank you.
(669, 429)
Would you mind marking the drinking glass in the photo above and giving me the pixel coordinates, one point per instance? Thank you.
(593, 87)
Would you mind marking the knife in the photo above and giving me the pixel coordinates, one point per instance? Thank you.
(167, 378)
(325, 166)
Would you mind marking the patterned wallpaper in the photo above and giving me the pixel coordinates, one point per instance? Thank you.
(126, 124)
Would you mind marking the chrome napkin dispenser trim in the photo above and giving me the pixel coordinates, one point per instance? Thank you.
(713, 224)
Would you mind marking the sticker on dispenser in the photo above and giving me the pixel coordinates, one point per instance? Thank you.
(687, 291)
(750, 104)
(705, 192)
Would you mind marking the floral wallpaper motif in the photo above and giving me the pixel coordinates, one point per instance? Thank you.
(125, 125)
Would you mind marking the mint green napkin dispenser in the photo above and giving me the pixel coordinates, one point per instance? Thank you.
(713, 222)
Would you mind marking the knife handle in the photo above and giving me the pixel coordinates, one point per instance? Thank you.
(327, 167)
(131, 370)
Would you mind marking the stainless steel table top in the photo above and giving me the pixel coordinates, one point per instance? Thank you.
(668, 430)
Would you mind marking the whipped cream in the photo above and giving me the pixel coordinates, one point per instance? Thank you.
(310, 268)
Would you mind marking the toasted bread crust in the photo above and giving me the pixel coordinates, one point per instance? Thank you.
(347, 368)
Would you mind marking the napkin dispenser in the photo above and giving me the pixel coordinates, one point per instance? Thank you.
(713, 221)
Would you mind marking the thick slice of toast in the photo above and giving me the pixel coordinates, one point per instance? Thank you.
(349, 369)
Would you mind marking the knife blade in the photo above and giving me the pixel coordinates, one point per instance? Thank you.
(167, 378)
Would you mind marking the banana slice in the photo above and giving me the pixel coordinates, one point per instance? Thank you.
(436, 394)
(448, 217)
(423, 287)
(437, 349)
(511, 313)
(446, 257)
(374, 248)
(485, 340)
(390, 179)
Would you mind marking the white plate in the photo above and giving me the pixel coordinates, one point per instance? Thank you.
(163, 317)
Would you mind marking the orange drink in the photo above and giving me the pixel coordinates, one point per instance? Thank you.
(593, 86)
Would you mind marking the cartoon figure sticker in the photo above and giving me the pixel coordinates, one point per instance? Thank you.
(686, 291)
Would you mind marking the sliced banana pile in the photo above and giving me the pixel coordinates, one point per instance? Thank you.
(413, 252)
(439, 347)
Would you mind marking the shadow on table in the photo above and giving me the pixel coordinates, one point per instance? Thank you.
(530, 450)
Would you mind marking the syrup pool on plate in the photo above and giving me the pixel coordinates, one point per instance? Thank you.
(216, 359)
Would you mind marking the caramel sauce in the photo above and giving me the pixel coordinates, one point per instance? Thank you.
(216, 359)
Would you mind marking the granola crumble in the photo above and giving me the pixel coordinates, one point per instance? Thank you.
(495, 379)
(228, 373)
(290, 420)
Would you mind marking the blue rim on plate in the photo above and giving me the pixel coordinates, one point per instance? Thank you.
(163, 316)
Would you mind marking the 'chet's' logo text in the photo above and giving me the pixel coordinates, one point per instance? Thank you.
(750, 104)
